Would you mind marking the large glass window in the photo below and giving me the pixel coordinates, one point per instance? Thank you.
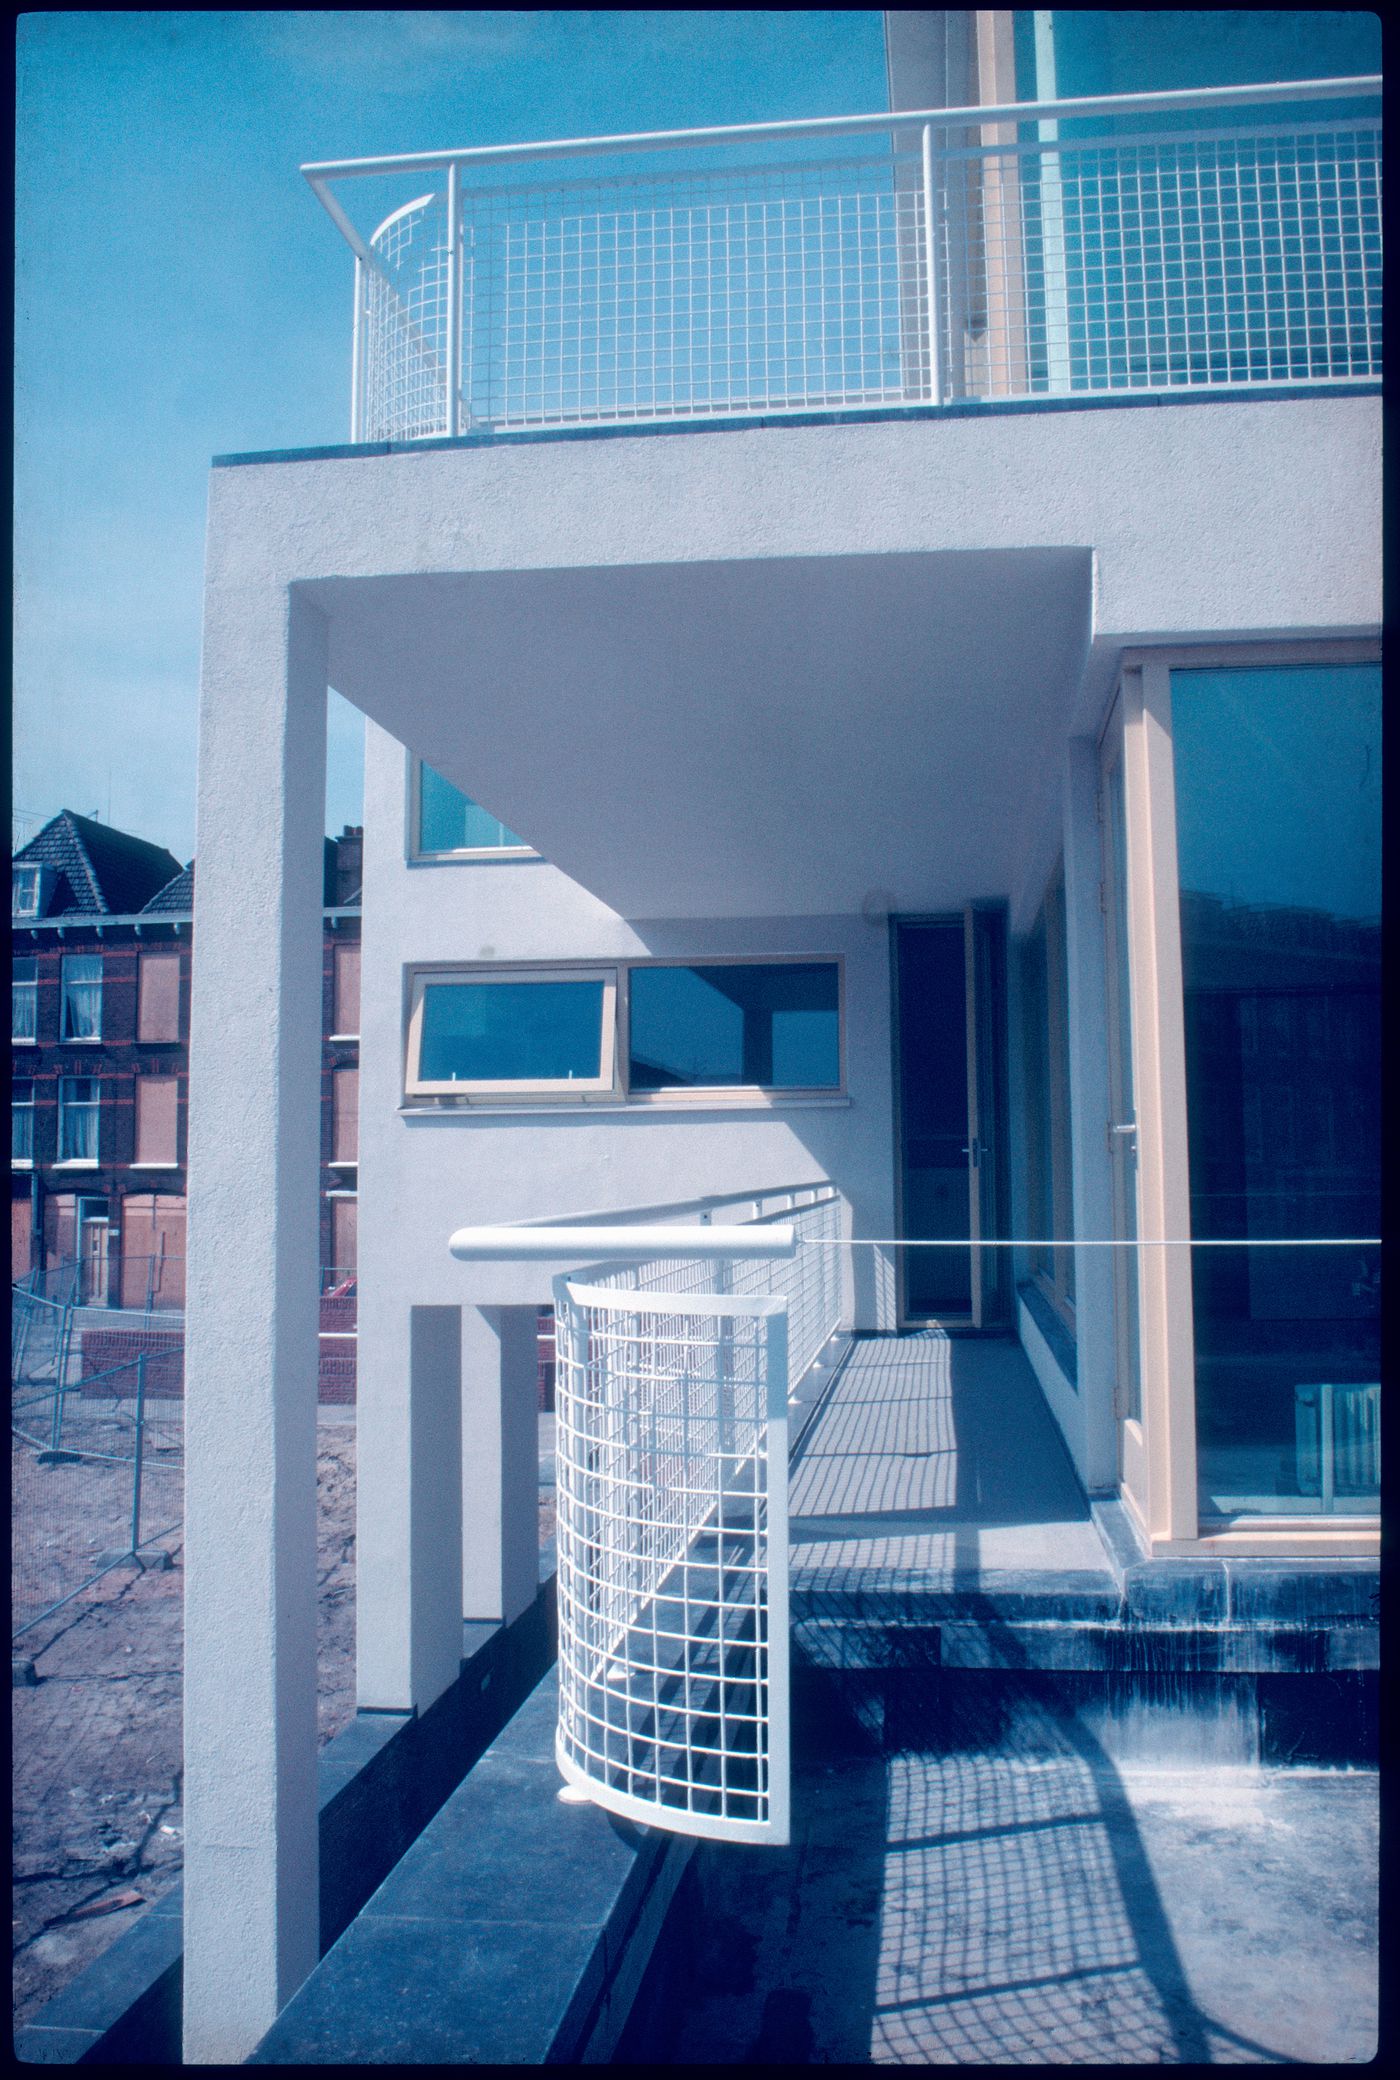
(24, 998)
(774, 1025)
(82, 996)
(77, 1119)
(546, 1032)
(1191, 247)
(1278, 840)
(1045, 1029)
(446, 821)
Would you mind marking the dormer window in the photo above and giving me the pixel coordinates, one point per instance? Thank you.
(29, 890)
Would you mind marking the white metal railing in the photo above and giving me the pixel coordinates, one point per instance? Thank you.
(675, 1371)
(888, 260)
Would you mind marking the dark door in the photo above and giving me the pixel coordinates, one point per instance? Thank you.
(949, 1041)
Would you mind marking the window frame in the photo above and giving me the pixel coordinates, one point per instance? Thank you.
(93, 1039)
(22, 1109)
(424, 977)
(26, 988)
(1054, 1279)
(1167, 1332)
(67, 1106)
(611, 1085)
(417, 853)
(24, 913)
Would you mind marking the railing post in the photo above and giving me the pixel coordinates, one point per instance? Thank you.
(140, 1445)
(357, 353)
(454, 300)
(933, 312)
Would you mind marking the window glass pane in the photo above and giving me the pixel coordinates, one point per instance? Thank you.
(82, 996)
(1278, 838)
(516, 1032)
(24, 999)
(1057, 1059)
(1037, 1069)
(449, 821)
(158, 1013)
(22, 1121)
(773, 1026)
(24, 891)
(77, 1119)
(1140, 51)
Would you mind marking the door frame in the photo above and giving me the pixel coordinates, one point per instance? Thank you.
(988, 1314)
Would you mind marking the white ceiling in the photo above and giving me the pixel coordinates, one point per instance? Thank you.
(740, 738)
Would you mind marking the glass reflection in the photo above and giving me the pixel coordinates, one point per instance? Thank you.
(1278, 835)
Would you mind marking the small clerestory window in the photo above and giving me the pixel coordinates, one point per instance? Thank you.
(447, 824)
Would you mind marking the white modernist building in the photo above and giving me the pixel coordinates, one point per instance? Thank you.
(936, 787)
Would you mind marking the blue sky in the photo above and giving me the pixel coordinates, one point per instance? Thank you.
(180, 294)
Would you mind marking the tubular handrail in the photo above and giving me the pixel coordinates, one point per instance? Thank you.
(317, 172)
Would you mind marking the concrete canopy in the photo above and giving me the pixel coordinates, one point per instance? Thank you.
(774, 735)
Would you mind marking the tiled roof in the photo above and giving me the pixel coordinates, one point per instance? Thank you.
(100, 871)
(177, 894)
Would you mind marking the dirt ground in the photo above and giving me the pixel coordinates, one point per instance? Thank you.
(97, 1819)
(97, 1743)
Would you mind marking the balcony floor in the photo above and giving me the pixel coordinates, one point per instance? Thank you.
(936, 1457)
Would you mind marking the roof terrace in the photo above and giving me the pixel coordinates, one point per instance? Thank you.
(1160, 244)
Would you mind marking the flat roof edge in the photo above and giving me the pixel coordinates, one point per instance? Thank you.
(959, 408)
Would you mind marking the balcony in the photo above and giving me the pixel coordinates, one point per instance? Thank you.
(1167, 245)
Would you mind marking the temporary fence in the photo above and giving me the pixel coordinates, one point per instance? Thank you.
(97, 1480)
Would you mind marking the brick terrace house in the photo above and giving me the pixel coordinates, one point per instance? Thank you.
(102, 935)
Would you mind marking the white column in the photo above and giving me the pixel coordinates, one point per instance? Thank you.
(251, 1863)
(408, 1548)
(1095, 1350)
(500, 1462)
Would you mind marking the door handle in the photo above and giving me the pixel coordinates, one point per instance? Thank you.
(1122, 1127)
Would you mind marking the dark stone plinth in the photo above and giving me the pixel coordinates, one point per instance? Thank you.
(382, 1779)
(508, 1934)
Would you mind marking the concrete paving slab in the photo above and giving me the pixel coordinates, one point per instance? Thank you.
(1054, 1908)
(935, 1455)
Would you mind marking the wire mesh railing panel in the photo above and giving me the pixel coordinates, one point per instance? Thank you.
(1177, 263)
(1244, 253)
(810, 1281)
(406, 325)
(671, 1478)
(674, 295)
